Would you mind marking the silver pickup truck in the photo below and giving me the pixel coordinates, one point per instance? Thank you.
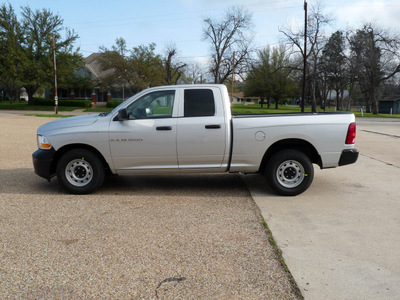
(189, 128)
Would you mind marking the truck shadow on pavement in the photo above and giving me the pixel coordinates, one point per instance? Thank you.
(25, 181)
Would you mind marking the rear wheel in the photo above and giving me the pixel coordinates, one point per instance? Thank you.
(289, 172)
(80, 171)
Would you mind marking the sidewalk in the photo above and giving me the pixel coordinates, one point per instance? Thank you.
(340, 239)
(75, 112)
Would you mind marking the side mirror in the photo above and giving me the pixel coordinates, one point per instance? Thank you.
(123, 115)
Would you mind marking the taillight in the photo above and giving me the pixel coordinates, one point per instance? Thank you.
(351, 134)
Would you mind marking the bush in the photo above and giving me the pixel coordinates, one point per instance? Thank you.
(42, 101)
(113, 103)
(50, 102)
(78, 103)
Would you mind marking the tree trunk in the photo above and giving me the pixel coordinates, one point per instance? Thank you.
(338, 104)
(373, 102)
(367, 103)
(314, 99)
(323, 105)
(30, 90)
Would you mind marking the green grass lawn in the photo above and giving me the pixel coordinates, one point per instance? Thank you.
(241, 109)
(25, 106)
(49, 115)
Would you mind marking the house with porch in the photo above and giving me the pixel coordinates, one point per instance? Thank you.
(239, 98)
(92, 74)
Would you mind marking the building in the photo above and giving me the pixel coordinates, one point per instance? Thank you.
(239, 98)
(389, 104)
(331, 97)
(90, 88)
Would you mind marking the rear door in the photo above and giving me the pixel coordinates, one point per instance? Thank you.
(201, 131)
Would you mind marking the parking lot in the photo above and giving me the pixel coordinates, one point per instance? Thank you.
(167, 237)
(200, 236)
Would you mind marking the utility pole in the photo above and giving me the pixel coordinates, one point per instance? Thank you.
(55, 78)
(233, 75)
(303, 94)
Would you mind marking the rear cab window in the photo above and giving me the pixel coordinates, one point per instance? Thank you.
(198, 103)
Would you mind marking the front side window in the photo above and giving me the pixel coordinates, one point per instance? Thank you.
(199, 103)
(154, 105)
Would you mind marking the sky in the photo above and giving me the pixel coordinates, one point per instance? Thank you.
(180, 22)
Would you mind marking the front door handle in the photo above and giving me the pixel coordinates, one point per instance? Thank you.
(218, 126)
(164, 128)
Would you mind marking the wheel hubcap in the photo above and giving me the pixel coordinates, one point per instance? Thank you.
(290, 174)
(79, 172)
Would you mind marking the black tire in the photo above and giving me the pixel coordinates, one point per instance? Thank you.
(80, 171)
(289, 172)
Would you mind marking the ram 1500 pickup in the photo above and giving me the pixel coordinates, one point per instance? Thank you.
(189, 128)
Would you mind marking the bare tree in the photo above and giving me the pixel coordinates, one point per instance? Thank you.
(316, 40)
(173, 70)
(375, 58)
(229, 37)
(196, 72)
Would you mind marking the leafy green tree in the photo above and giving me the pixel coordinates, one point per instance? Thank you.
(67, 65)
(136, 69)
(148, 66)
(11, 54)
(258, 81)
(38, 28)
(280, 76)
(269, 77)
(333, 62)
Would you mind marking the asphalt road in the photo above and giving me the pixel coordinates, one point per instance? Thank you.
(340, 239)
(167, 237)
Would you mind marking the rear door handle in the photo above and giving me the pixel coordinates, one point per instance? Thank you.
(164, 128)
(213, 126)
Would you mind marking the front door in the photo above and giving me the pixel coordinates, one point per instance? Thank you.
(147, 140)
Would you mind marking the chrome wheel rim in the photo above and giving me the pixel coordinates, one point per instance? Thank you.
(79, 172)
(290, 174)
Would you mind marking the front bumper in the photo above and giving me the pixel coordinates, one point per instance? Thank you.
(349, 156)
(43, 163)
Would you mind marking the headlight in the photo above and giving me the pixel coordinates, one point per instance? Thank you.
(43, 142)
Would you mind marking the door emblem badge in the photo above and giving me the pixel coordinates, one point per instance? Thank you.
(126, 140)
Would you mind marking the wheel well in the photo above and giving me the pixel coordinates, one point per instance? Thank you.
(66, 148)
(297, 144)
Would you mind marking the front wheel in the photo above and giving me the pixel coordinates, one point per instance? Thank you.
(80, 171)
(289, 172)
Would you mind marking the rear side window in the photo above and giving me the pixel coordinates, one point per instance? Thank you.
(199, 103)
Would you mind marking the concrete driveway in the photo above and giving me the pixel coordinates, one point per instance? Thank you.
(167, 237)
(340, 239)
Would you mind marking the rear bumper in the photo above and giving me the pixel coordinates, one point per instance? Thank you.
(349, 156)
(43, 163)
